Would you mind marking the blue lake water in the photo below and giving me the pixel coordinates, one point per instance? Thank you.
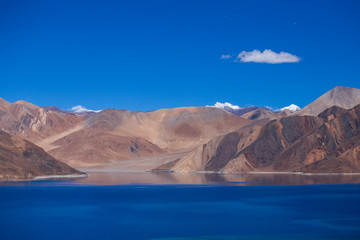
(217, 210)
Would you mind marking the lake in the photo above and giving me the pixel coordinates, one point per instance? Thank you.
(182, 206)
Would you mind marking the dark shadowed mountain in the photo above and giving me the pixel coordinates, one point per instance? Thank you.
(329, 143)
(23, 160)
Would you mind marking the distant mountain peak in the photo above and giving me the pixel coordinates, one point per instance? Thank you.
(234, 109)
(344, 97)
(225, 106)
(81, 109)
(341, 92)
(341, 88)
(291, 107)
(237, 110)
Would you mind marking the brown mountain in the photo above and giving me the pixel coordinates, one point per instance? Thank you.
(113, 135)
(327, 143)
(343, 97)
(23, 160)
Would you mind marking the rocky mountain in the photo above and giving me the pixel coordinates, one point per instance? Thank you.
(32, 122)
(329, 143)
(23, 160)
(344, 97)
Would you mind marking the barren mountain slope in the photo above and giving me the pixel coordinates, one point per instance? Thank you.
(89, 147)
(113, 135)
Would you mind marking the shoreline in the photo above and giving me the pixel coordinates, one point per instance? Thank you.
(61, 176)
(39, 178)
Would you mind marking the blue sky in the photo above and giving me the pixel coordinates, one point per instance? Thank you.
(146, 55)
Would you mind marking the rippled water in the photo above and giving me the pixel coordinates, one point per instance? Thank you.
(122, 206)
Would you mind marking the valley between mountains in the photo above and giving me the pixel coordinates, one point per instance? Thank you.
(323, 137)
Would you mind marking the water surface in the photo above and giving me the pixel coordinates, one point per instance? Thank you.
(121, 206)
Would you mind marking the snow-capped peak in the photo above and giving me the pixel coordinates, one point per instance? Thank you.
(81, 109)
(292, 108)
(225, 105)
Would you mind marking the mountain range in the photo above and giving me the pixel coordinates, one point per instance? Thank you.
(239, 111)
(323, 137)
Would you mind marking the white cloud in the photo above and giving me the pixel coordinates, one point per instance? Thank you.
(225, 56)
(81, 109)
(267, 56)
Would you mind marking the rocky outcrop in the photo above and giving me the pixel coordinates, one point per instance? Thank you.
(22, 160)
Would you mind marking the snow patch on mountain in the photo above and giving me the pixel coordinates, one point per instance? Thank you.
(81, 109)
(292, 108)
(230, 107)
(225, 106)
